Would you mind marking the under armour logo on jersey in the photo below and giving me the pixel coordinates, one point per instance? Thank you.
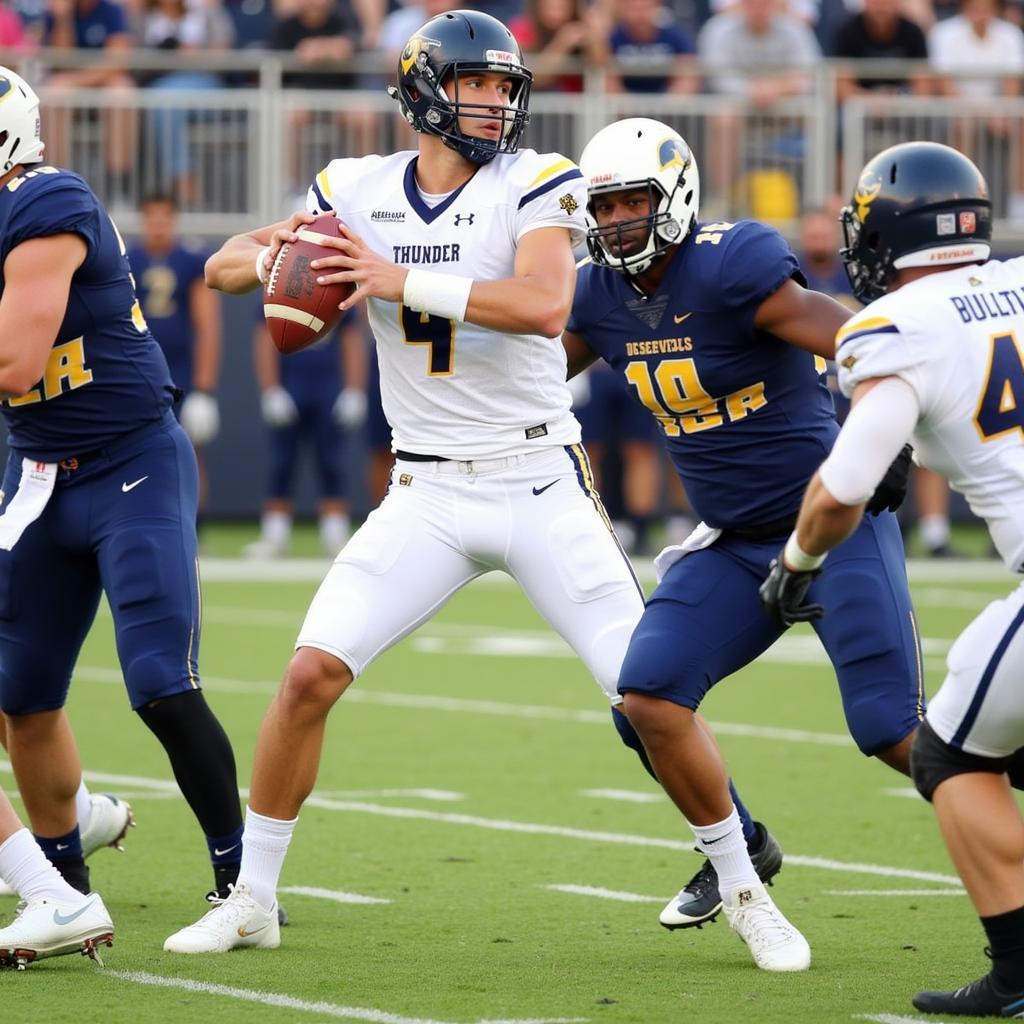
(467, 217)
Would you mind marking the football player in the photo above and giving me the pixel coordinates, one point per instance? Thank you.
(463, 251)
(98, 496)
(183, 315)
(711, 326)
(937, 356)
(53, 918)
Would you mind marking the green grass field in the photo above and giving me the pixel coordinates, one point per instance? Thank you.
(495, 854)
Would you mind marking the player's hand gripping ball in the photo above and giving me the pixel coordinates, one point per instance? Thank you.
(299, 311)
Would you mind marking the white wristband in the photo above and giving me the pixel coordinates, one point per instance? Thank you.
(440, 294)
(796, 558)
(261, 270)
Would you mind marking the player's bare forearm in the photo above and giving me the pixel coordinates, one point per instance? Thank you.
(824, 522)
(578, 354)
(806, 319)
(521, 305)
(232, 268)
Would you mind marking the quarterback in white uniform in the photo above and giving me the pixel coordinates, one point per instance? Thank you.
(938, 356)
(463, 251)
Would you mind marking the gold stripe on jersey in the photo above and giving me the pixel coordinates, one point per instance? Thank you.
(324, 184)
(856, 326)
(562, 165)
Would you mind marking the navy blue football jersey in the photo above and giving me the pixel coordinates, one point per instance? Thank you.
(106, 375)
(163, 284)
(747, 418)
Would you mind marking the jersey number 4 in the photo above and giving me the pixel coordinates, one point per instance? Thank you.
(435, 331)
(1001, 408)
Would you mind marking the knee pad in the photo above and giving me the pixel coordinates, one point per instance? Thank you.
(628, 735)
(932, 761)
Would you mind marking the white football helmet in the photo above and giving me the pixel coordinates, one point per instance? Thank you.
(19, 122)
(639, 153)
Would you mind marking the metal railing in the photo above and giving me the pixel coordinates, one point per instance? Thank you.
(243, 153)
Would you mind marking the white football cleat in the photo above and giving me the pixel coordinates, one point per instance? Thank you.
(773, 942)
(234, 923)
(109, 820)
(45, 927)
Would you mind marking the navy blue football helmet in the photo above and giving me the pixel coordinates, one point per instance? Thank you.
(919, 204)
(429, 67)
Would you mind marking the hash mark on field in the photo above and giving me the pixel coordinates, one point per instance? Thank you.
(605, 894)
(895, 892)
(627, 796)
(909, 792)
(330, 894)
(250, 995)
(892, 1018)
(437, 795)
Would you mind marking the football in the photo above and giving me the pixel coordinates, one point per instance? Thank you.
(298, 311)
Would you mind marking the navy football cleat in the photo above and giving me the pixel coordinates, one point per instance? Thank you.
(699, 901)
(981, 998)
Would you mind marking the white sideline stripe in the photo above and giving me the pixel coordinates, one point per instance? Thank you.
(605, 894)
(250, 995)
(313, 570)
(892, 1018)
(330, 894)
(627, 796)
(532, 828)
(895, 892)
(430, 702)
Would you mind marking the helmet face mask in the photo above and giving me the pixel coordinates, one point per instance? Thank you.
(918, 204)
(639, 154)
(433, 67)
(19, 122)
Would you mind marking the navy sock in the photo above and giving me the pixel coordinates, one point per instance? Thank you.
(1006, 939)
(65, 854)
(225, 849)
(749, 830)
(628, 735)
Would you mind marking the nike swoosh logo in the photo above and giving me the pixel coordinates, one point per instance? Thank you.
(680, 319)
(59, 918)
(126, 487)
(62, 846)
(541, 490)
(220, 853)
(244, 934)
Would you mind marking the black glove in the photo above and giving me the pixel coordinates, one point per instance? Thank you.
(889, 494)
(782, 595)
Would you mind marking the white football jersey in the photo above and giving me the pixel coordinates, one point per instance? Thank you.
(449, 388)
(957, 338)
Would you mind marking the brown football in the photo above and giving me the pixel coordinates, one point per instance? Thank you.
(298, 311)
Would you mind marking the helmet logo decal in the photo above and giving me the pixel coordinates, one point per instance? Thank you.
(672, 153)
(6, 88)
(568, 203)
(416, 52)
(945, 224)
(502, 57)
(968, 222)
(865, 196)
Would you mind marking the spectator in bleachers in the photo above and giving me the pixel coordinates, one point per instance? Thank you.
(99, 26)
(12, 31)
(978, 40)
(321, 33)
(398, 27)
(188, 28)
(552, 30)
(880, 32)
(644, 37)
(765, 55)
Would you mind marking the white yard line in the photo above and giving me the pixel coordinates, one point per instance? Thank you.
(337, 895)
(893, 1018)
(605, 894)
(536, 828)
(894, 892)
(626, 796)
(906, 792)
(250, 995)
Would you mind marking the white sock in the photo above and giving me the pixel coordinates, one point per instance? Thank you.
(334, 531)
(24, 867)
(723, 844)
(83, 806)
(264, 845)
(934, 531)
(276, 527)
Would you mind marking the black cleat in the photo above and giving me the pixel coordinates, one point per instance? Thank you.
(980, 998)
(699, 902)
